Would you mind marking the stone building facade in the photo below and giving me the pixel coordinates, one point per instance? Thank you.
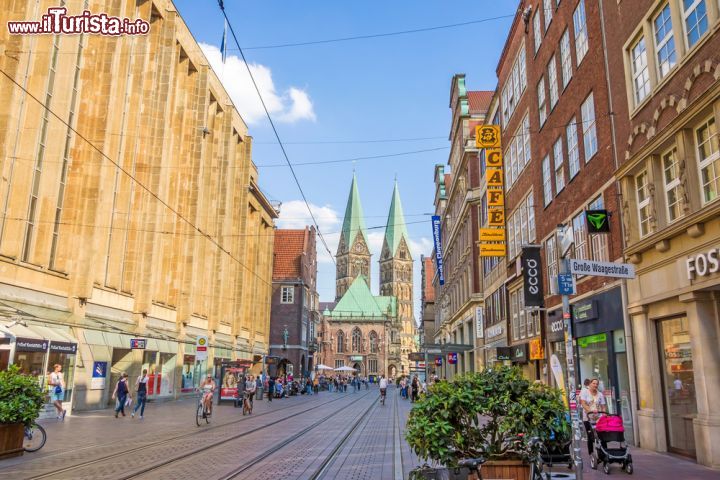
(459, 299)
(129, 207)
(665, 82)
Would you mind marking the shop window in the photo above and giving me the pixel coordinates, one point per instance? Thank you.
(67, 362)
(671, 181)
(664, 41)
(594, 363)
(640, 72)
(678, 384)
(642, 192)
(696, 20)
(709, 159)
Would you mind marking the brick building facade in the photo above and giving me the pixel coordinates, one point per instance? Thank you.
(294, 315)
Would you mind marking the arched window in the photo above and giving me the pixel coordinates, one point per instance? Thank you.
(356, 339)
(373, 342)
(340, 341)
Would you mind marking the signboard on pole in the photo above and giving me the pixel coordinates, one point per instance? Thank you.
(201, 348)
(452, 358)
(487, 136)
(602, 269)
(566, 284)
(438, 361)
(598, 221)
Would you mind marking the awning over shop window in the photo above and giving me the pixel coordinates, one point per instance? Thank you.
(39, 338)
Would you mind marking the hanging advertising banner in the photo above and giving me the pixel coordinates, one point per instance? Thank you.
(492, 250)
(598, 221)
(492, 234)
(532, 276)
(452, 358)
(438, 361)
(437, 240)
(479, 322)
(537, 352)
(557, 370)
(492, 240)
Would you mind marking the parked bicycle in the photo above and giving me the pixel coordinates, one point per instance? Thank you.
(35, 438)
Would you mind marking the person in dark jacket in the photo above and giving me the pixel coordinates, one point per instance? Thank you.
(271, 388)
(415, 387)
(121, 392)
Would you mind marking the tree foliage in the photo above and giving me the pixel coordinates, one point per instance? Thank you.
(21, 398)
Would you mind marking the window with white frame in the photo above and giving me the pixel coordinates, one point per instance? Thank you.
(552, 82)
(548, 12)
(547, 181)
(521, 226)
(580, 236)
(696, 20)
(573, 151)
(581, 34)
(542, 103)
(664, 41)
(515, 315)
(671, 183)
(287, 295)
(589, 132)
(551, 258)
(565, 60)
(537, 31)
(514, 86)
(640, 72)
(559, 165)
(706, 139)
(599, 241)
(642, 192)
(518, 153)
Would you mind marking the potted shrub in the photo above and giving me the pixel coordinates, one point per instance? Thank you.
(21, 399)
(491, 414)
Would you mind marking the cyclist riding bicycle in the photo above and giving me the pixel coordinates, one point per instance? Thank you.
(208, 388)
(250, 388)
(383, 387)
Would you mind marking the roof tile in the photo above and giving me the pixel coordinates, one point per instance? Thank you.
(289, 246)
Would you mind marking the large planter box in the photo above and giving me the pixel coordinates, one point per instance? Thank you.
(504, 470)
(11, 439)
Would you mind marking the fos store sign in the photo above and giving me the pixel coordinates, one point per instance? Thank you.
(703, 264)
(532, 276)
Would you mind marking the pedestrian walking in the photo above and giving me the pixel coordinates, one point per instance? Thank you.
(57, 390)
(141, 389)
(271, 388)
(121, 394)
(415, 387)
(259, 387)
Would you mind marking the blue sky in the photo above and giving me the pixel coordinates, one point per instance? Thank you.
(374, 89)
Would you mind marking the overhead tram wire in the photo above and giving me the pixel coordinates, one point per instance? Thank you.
(134, 179)
(277, 136)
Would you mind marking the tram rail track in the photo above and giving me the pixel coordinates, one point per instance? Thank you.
(199, 431)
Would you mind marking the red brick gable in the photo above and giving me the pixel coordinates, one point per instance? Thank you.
(429, 291)
(480, 100)
(289, 247)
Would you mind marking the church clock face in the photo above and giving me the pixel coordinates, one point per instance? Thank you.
(358, 248)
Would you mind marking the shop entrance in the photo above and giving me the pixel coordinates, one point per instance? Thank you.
(678, 385)
(121, 362)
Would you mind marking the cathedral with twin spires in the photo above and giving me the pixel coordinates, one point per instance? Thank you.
(371, 333)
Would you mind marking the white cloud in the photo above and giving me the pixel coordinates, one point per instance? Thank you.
(289, 106)
(294, 214)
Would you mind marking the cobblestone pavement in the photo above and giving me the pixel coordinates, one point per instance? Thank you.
(344, 436)
(297, 437)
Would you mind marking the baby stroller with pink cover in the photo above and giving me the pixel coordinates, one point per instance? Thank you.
(610, 446)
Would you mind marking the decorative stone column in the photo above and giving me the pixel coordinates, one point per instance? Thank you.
(650, 412)
(702, 314)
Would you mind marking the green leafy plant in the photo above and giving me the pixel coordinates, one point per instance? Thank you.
(21, 398)
(492, 414)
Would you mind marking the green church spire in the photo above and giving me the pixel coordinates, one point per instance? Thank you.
(396, 229)
(354, 221)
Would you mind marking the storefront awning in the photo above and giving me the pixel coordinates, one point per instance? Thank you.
(58, 338)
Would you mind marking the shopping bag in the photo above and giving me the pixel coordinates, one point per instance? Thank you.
(128, 401)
